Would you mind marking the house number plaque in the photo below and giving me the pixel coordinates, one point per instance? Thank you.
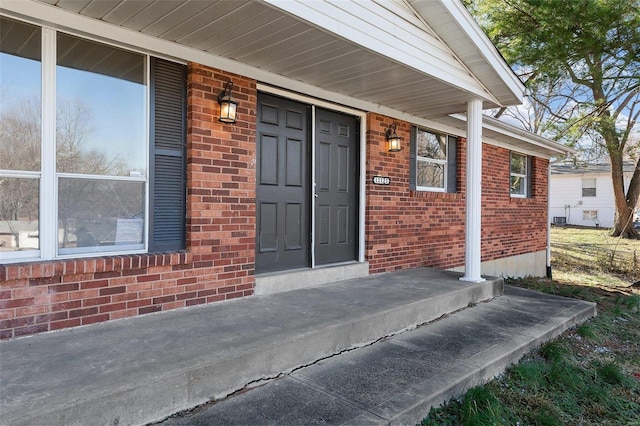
(381, 180)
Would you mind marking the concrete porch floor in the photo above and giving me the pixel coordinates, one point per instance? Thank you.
(143, 369)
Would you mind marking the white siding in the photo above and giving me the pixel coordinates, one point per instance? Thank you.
(566, 200)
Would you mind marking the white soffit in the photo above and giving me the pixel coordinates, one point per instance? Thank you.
(376, 52)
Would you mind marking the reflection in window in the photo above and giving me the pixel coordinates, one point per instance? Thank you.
(590, 216)
(100, 109)
(518, 175)
(20, 135)
(98, 214)
(19, 214)
(431, 160)
(589, 187)
(100, 151)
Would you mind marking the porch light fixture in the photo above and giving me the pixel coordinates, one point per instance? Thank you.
(393, 140)
(228, 104)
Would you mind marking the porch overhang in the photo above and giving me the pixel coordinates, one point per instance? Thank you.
(503, 134)
(404, 58)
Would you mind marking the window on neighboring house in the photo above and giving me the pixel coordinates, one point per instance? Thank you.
(590, 216)
(75, 174)
(433, 161)
(588, 187)
(520, 175)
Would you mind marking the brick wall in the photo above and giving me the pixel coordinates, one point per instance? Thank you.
(407, 229)
(511, 226)
(221, 182)
(218, 263)
(404, 229)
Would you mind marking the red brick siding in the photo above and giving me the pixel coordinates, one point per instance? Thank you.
(218, 264)
(407, 229)
(404, 229)
(511, 226)
(221, 182)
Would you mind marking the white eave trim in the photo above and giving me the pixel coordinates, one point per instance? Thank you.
(486, 48)
(508, 130)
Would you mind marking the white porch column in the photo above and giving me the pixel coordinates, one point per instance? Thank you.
(472, 255)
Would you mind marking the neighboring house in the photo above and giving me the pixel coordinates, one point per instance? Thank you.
(583, 194)
(148, 202)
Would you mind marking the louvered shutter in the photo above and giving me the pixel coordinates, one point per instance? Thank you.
(167, 205)
(452, 166)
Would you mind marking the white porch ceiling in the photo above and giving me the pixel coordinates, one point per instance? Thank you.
(277, 37)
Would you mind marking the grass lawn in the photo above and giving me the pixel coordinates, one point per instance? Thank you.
(591, 374)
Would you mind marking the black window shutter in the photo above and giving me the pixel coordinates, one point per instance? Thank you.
(167, 180)
(412, 158)
(452, 166)
(529, 177)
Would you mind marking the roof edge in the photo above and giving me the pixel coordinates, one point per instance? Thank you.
(487, 49)
(507, 129)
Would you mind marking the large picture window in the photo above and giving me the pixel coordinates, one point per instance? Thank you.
(20, 138)
(76, 141)
(101, 146)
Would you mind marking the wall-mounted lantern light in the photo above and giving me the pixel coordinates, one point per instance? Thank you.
(228, 104)
(393, 140)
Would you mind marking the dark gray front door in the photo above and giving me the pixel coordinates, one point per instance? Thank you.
(282, 193)
(336, 187)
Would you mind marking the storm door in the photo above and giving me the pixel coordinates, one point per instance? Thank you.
(336, 187)
(282, 187)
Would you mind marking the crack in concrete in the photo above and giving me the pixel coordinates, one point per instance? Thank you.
(268, 379)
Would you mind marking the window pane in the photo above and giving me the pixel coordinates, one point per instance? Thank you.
(20, 110)
(19, 214)
(430, 174)
(100, 215)
(517, 185)
(100, 109)
(430, 145)
(518, 164)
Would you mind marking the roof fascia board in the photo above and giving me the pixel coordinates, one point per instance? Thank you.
(487, 49)
(510, 147)
(425, 27)
(321, 14)
(508, 130)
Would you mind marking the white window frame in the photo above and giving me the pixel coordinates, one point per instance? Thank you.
(48, 197)
(592, 218)
(433, 161)
(524, 176)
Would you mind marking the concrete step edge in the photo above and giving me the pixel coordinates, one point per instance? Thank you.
(174, 391)
(468, 376)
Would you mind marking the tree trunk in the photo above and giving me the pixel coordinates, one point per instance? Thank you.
(625, 206)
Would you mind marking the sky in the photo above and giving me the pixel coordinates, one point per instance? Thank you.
(118, 106)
